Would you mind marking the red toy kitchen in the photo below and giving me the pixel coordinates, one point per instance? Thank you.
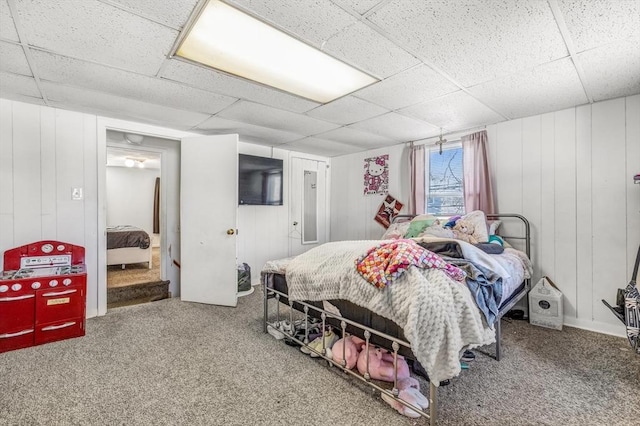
(42, 294)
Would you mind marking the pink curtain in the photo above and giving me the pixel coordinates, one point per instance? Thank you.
(416, 170)
(478, 193)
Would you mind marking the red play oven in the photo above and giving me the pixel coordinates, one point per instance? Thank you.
(42, 294)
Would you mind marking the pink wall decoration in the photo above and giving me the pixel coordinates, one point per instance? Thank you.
(376, 175)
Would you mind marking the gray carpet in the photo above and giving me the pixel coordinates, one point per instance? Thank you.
(170, 362)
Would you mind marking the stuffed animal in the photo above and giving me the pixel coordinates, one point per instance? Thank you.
(352, 346)
(409, 392)
(381, 364)
(463, 230)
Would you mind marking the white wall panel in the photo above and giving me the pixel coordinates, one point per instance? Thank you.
(547, 196)
(565, 207)
(90, 206)
(26, 173)
(531, 157)
(48, 173)
(6, 176)
(633, 190)
(508, 190)
(584, 240)
(609, 182)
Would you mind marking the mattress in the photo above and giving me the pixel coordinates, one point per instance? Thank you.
(127, 236)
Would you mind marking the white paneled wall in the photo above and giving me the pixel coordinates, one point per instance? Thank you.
(570, 173)
(44, 153)
(130, 194)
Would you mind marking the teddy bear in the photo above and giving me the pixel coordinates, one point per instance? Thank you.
(381, 364)
(463, 230)
(352, 346)
(409, 392)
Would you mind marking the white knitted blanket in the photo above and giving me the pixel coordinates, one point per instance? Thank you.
(437, 314)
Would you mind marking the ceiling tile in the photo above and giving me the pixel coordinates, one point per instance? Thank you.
(7, 26)
(360, 6)
(314, 23)
(95, 31)
(595, 23)
(347, 110)
(74, 72)
(407, 88)
(613, 70)
(454, 111)
(475, 41)
(397, 127)
(366, 49)
(549, 87)
(348, 135)
(248, 132)
(322, 147)
(18, 84)
(211, 80)
(173, 13)
(273, 118)
(13, 59)
(116, 106)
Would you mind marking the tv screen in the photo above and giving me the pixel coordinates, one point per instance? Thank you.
(259, 180)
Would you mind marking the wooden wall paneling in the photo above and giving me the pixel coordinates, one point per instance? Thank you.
(547, 195)
(584, 241)
(357, 199)
(26, 173)
(509, 174)
(565, 207)
(633, 190)
(246, 233)
(70, 174)
(48, 176)
(609, 203)
(340, 213)
(492, 135)
(90, 207)
(531, 142)
(6, 176)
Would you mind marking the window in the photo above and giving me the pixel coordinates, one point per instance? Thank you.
(444, 181)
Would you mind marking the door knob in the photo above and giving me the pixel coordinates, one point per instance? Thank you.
(230, 231)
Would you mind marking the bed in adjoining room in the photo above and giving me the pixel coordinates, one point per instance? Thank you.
(128, 244)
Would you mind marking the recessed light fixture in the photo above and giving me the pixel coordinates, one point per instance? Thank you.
(129, 162)
(232, 41)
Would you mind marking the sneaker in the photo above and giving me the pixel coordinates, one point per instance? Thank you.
(279, 335)
(468, 356)
(329, 339)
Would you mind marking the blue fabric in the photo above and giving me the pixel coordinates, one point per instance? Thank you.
(487, 294)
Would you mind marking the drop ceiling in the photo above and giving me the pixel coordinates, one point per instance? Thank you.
(444, 66)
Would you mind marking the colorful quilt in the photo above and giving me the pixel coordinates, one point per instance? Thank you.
(386, 262)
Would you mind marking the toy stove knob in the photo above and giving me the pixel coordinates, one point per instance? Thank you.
(53, 283)
(35, 285)
(4, 288)
(16, 287)
(66, 281)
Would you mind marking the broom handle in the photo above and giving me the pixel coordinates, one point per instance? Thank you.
(635, 268)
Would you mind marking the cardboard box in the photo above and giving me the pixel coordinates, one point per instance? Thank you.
(545, 305)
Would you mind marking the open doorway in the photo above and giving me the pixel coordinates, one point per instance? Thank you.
(133, 182)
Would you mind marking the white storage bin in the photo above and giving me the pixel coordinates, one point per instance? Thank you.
(545, 305)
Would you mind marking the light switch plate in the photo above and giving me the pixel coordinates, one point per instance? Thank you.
(76, 194)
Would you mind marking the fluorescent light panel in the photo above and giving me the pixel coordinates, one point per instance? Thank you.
(227, 39)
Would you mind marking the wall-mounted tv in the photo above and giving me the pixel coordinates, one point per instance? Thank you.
(259, 180)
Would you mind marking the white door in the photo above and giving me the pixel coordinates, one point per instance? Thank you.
(208, 207)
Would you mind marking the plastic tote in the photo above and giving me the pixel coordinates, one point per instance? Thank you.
(244, 277)
(545, 305)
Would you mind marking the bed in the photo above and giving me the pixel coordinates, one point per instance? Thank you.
(128, 244)
(321, 283)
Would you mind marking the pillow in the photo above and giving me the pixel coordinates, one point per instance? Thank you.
(419, 224)
(493, 226)
(396, 230)
(479, 222)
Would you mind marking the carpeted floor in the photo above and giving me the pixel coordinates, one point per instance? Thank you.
(170, 362)
(135, 273)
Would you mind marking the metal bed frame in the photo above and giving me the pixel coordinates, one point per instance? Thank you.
(432, 414)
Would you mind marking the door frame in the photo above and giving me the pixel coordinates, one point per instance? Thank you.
(103, 125)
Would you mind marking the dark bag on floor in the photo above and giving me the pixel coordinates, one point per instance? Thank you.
(244, 277)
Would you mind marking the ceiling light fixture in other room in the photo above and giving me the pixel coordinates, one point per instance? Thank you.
(133, 138)
(229, 40)
(129, 162)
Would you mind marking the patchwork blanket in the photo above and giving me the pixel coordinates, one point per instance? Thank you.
(437, 314)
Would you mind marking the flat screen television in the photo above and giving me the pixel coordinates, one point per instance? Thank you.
(259, 180)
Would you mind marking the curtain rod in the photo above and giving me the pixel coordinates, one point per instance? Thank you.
(457, 135)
